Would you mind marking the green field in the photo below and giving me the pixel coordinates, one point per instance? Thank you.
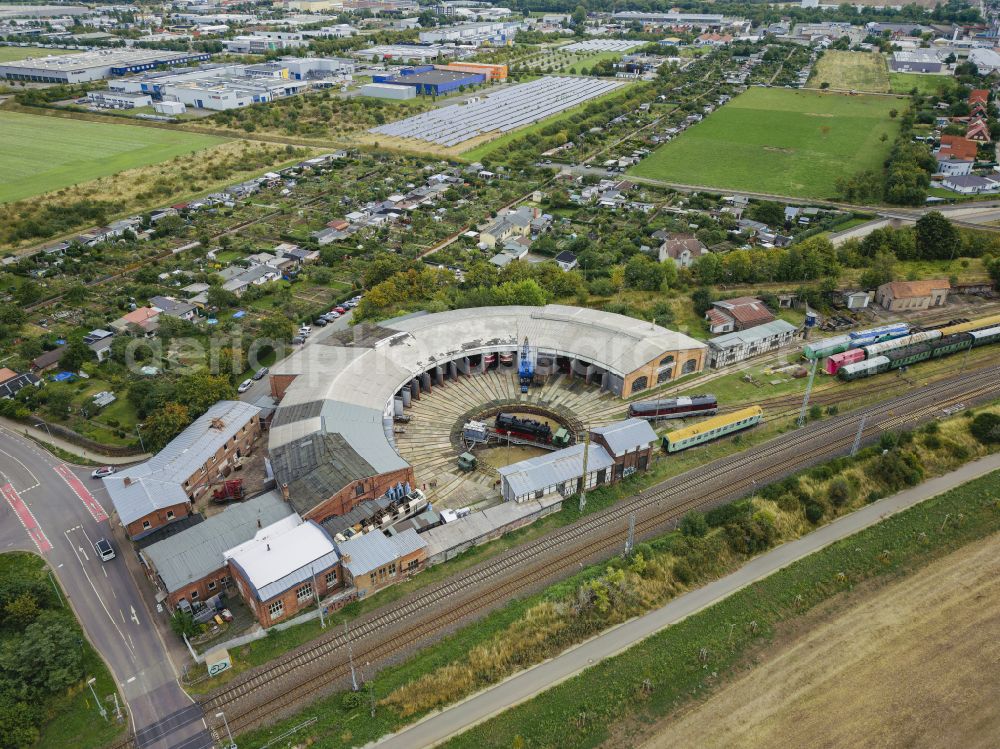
(851, 71)
(780, 141)
(19, 53)
(40, 153)
(903, 83)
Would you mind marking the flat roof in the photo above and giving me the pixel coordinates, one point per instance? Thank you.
(107, 58)
(283, 555)
(434, 76)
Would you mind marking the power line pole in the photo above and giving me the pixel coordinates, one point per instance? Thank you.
(857, 437)
(630, 538)
(583, 485)
(809, 387)
(322, 621)
(350, 658)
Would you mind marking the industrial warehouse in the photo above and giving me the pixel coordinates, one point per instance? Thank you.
(94, 66)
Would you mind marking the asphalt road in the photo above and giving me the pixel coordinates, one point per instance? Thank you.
(262, 388)
(58, 511)
(462, 716)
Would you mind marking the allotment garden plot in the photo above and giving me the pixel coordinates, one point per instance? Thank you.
(506, 110)
(780, 141)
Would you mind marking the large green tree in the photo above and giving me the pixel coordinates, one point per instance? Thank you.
(937, 238)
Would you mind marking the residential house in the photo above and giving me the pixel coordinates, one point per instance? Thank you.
(161, 490)
(740, 313)
(11, 382)
(958, 147)
(99, 341)
(511, 224)
(950, 166)
(258, 275)
(48, 360)
(978, 101)
(743, 344)
(168, 305)
(971, 184)
(682, 249)
(978, 131)
(142, 317)
(566, 260)
(901, 296)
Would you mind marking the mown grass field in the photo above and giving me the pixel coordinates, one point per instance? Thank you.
(852, 71)
(780, 141)
(7, 54)
(40, 154)
(903, 83)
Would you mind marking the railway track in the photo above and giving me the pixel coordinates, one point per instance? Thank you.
(276, 689)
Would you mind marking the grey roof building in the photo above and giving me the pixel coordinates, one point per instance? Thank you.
(743, 344)
(558, 471)
(159, 483)
(625, 436)
(369, 551)
(196, 553)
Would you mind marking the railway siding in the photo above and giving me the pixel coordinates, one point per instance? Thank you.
(387, 634)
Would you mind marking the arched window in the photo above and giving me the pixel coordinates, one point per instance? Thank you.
(689, 366)
(668, 359)
(665, 375)
(640, 383)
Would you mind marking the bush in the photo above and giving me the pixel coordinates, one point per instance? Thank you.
(839, 492)
(682, 571)
(986, 428)
(719, 516)
(694, 524)
(814, 512)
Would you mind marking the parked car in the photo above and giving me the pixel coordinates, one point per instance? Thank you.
(321, 321)
(244, 386)
(340, 310)
(100, 473)
(305, 330)
(332, 314)
(104, 549)
(261, 373)
(299, 339)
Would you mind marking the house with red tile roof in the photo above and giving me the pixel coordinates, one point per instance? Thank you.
(958, 147)
(740, 313)
(978, 131)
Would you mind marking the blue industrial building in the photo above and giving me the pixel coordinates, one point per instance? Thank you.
(430, 80)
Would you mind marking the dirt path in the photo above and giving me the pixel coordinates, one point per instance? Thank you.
(913, 664)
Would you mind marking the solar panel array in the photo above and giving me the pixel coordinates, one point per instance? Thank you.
(502, 111)
(602, 45)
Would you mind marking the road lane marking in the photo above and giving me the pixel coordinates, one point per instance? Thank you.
(73, 481)
(27, 518)
(28, 470)
(101, 600)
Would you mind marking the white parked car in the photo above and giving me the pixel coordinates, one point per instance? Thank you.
(100, 473)
(244, 386)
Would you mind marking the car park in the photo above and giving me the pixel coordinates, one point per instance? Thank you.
(104, 549)
(244, 386)
(261, 373)
(99, 473)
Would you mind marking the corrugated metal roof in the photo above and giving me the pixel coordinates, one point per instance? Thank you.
(199, 550)
(752, 335)
(626, 436)
(157, 483)
(535, 474)
(369, 551)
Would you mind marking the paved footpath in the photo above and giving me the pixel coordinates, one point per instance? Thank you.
(438, 727)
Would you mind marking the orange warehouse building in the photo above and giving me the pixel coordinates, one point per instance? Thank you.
(492, 72)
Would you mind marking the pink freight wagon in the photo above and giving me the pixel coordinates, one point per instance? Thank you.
(835, 362)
